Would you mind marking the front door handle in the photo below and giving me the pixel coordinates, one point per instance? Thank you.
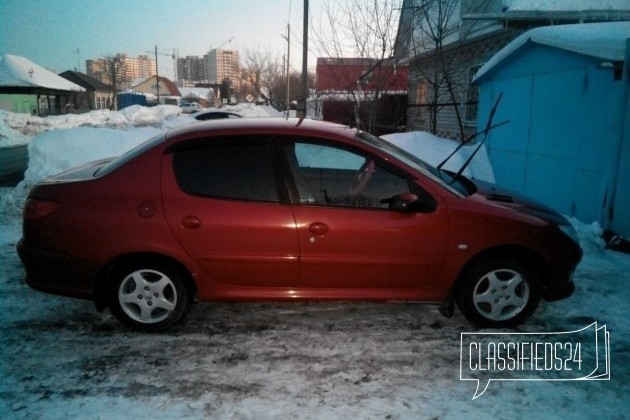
(191, 222)
(318, 228)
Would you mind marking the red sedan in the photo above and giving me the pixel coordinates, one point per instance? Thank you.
(288, 209)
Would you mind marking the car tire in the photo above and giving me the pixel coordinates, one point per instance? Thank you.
(150, 296)
(498, 293)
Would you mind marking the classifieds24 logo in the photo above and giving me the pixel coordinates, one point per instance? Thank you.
(556, 356)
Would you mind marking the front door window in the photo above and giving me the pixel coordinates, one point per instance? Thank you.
(330, 176)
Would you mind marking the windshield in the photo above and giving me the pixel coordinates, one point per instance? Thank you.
(444, 178)
(131, 154)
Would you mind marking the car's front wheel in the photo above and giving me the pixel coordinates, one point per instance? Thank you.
(498, 293)
(149, 297)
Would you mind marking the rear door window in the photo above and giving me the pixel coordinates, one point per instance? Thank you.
(239, 170)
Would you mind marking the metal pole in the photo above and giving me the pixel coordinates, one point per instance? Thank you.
(157, 77)
(303, 100)
(288, 63)
(174, 65)
(78, 53)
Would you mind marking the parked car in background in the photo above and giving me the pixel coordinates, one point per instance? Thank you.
(215, 114)
(256, 208)
(190, 107)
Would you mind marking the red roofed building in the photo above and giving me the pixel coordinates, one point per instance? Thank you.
(343, 74)
(371, 89)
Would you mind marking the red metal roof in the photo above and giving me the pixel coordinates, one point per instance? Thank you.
(343, 74)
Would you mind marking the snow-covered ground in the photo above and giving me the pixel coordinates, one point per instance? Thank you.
(59, 358)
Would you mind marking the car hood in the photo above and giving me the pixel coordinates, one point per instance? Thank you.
(518, 202)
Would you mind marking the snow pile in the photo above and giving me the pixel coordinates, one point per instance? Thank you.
(605, 40)
(56, 151)
(557, 6)
(10, 136)
(253, 111)
(434, 150)
(20, 128)
(590, 236)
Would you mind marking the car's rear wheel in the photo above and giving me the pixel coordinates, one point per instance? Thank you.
(149, 297)
(498, 293)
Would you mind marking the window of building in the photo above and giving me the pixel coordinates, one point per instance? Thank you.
(421, 92)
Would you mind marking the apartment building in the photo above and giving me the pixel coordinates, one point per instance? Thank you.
(223, 64)
(141, 67)
(192, 68)
(98, 69)
(128, 69)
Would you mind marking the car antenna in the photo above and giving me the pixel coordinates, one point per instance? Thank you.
(485, 132)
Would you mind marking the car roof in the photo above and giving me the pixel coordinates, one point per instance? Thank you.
(302, 126)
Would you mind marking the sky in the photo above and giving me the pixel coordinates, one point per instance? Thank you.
(61, 34)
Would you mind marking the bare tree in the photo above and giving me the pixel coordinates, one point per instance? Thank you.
(435, 23)
(431, 26)
(295, 84)
(361, 30)
(267, 77)
(115, 74)
(263, 72)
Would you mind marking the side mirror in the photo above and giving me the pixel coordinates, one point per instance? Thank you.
(404, 202)
(409, 203)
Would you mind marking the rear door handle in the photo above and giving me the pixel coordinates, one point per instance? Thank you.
(318, 228)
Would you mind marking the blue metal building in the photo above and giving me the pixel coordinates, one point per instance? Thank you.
(566, 93)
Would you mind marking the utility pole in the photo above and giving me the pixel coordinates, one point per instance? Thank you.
(78, 53)
(301, 113)
(288, 38)
(174, 56)
(174, 65)
(157, 77)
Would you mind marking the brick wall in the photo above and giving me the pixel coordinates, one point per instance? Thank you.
(460, 59)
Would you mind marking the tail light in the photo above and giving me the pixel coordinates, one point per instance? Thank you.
(36, 209)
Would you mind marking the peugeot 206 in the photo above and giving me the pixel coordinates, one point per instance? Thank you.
(275, 209)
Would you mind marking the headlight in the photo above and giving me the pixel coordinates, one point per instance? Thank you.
(570, 231)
